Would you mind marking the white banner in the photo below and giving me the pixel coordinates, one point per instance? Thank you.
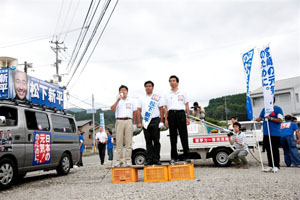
(102, 121)
(268, 79)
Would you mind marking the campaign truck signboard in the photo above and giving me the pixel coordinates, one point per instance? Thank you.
(41, 148)
(18, 85)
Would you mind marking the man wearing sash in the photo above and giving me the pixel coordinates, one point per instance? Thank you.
(177, 118)
(150, 107)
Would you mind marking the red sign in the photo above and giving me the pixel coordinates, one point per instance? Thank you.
(41, 148)
(210, 139)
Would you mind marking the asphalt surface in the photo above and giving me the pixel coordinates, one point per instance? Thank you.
(94, 181)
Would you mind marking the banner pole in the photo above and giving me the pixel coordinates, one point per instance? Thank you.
(270, 143)
(257, 143)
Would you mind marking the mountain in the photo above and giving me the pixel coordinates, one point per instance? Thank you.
(75, 110)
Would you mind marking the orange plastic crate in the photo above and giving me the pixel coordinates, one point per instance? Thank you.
(124, 175)
(181, 172)
(156, 174)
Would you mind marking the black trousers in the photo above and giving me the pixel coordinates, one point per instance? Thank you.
(152, 136)
(177, 124)
(101, 148)
(275, 140)
(80, 160)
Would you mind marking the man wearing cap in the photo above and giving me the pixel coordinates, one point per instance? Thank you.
(125, 111)
(177, 118)
(150, 107)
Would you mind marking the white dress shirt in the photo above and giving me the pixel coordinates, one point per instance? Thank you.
(176, 100)
(125, 108)
(144, 101)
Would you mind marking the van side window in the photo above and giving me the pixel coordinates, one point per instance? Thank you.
(63, 124)
(8, 116)
(37, 121)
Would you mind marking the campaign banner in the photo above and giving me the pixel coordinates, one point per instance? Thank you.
(247, 61)
(268, 79)
(41, 148)
(4, 80)
(15, 84)
(102, 123)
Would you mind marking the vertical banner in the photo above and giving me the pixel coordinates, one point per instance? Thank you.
(4, 80)
(268, 79)
(102, 121)
(41, 148)
(247, 61)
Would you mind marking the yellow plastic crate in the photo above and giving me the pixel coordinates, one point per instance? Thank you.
(181, 172)
(124, 175)
(156, 174)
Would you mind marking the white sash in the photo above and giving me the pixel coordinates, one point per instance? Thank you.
(148, 114)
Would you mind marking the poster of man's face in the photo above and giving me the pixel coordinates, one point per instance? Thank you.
(20, 81)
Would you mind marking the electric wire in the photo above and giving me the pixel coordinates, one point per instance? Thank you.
(58, 19)
(66, 18)
(72, 19)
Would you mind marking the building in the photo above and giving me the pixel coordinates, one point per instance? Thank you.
(87, 127)
(287, 94)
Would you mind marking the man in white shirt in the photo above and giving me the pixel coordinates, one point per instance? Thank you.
(125, 111)
(150, 107)
(101, 139)
(177, 118)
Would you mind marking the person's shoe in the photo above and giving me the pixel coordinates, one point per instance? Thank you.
(118, 164)
(245, 166)
(157, 163)
(126, 164)
(186, 161)
(148, 163)
(275, 169)
(172, 162)
(268, 169)
(238, 166)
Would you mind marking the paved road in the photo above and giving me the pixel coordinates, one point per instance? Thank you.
(94, 182)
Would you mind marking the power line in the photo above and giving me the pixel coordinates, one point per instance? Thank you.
(72, 18)
(97, 40)
(68, 11)
(33, 39)
(83, 26)
(58, 19)
(91, 38)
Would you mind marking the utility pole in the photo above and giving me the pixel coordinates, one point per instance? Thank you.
(26, 66)
(57, 49)
(94, 144)
(226, 111)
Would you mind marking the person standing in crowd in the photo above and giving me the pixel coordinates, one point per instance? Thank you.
(110, 145)
(198, 112)
(238, 139)
(125, 111)
(233, 120)
(101, 139)
(274, 120)
(81, 147)
(150, 107)
(177, 118)
(2, 140)
(288, 142)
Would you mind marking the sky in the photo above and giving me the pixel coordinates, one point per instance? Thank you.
(200, 41)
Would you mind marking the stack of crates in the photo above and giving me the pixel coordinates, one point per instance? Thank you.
(181, 172)
(156, 174)
(124, 175)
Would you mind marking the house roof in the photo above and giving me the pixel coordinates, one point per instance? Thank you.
(281, 85)
(83, 122)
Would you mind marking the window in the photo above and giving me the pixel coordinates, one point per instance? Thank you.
(63, 124)
(37, 121)
(90, 135)
(8, 116)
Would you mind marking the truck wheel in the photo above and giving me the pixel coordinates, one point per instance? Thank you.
(220, 157)
(64, 165)
(7, 173)
(139, 158)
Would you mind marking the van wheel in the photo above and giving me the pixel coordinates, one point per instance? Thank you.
(139, 158)
(220, 157)
(64, 165)
(7, 173)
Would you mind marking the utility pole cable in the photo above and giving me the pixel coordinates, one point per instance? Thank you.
(57, 49)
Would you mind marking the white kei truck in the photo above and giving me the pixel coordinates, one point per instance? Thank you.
(202, 144)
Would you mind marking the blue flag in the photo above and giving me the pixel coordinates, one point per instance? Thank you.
(247, 61)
